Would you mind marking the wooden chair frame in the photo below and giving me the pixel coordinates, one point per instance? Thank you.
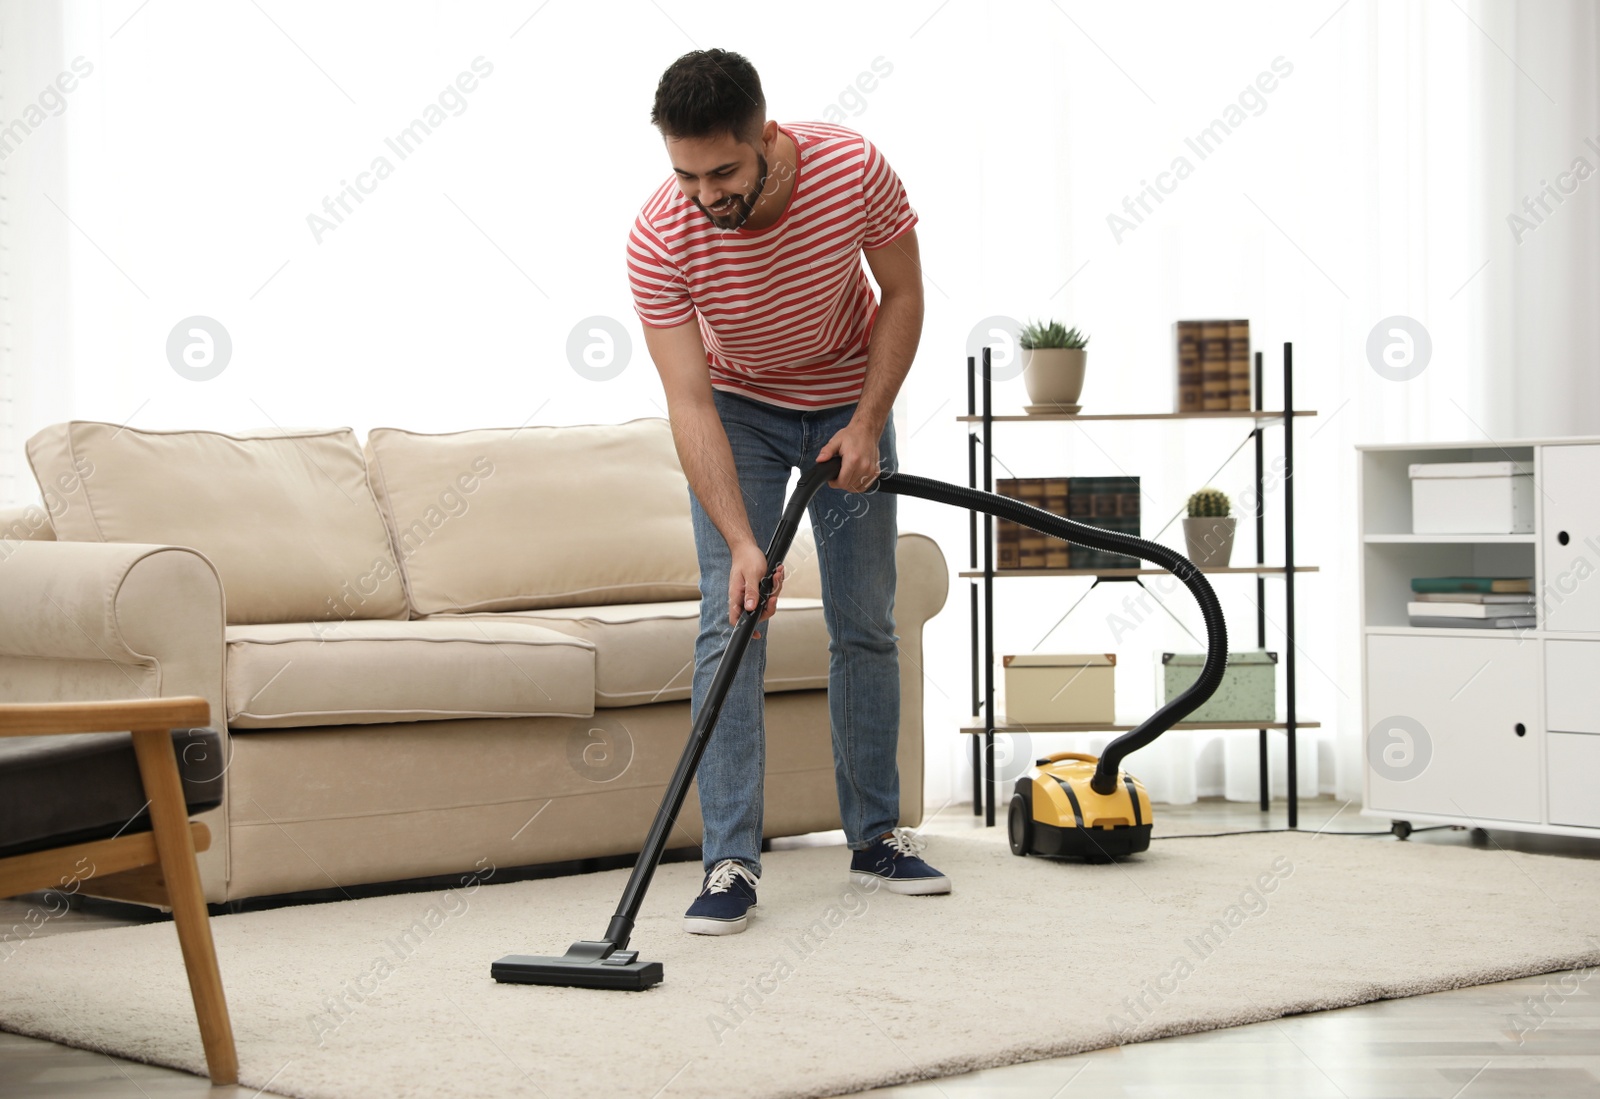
(170, 846)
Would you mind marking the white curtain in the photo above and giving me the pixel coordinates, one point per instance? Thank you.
(1371, 174)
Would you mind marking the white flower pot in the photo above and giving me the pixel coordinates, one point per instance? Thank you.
(1053, 375)
(1210, 540)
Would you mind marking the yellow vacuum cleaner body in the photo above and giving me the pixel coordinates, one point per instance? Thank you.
(1055, 812)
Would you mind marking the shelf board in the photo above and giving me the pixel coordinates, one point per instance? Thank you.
(973, 725)
(1262, 570)
(1509, 632)
(1261, 416)
(1487, 444)
(1448, 539)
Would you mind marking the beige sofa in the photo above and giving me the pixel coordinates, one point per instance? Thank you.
(439, 654)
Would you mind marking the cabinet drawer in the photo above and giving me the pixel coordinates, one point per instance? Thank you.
(1442, 720)
(1574, 779)
(1572, 686)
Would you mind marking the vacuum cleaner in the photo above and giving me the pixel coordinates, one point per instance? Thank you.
(1068, 804)
(1056, 810)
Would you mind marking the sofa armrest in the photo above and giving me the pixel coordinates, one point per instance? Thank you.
(24, 524)
(89, 621)
(922, 578)
(153, 611)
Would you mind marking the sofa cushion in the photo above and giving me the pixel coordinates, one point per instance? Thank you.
(518, 518)
(73, 788)
(288, 675)
(287, 518)
(644, 652)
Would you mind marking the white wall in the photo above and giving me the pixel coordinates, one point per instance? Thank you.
(1376, 180)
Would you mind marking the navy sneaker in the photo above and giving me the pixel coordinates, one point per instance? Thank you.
(729, 893)
(892, 863)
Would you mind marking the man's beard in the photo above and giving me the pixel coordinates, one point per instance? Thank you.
(743, 205)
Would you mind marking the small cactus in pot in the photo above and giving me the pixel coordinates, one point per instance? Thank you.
(1209, 502)
(1208, 531)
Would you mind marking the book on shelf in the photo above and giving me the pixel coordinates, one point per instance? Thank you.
(1239, 366)
(1020, 547)
(1507, 622)
(1008, 535)
(1055, 502)
(1469, 610)
(1485, 584)
(1186, 335)
(1473, 597)
(1213, 366)
(1213, 361)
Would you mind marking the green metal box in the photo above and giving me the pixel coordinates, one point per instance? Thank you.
(1248, 691)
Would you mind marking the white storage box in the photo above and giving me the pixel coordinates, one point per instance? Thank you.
(1046, 688)
(1472, 498)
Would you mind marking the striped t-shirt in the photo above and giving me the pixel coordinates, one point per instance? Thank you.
(785, 312)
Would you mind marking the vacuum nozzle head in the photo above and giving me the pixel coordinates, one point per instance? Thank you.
(586, 964)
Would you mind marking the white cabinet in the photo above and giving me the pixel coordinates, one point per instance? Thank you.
(1450, 724)
(1489, 728)
(1569, 537)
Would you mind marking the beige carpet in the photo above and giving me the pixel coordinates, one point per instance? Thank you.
(832, 989)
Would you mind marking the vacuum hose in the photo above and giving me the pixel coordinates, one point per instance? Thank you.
(1003, 507)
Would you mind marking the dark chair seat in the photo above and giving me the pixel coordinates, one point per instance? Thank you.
(59, 790)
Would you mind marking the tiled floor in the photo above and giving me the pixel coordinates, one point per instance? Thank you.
(1450, 1045)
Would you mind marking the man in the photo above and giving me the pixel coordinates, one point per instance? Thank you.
(746, 274)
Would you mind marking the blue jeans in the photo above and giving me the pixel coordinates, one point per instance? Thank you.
(855, 535)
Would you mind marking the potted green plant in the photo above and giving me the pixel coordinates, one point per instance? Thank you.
(1052, 366)
(1208, 531)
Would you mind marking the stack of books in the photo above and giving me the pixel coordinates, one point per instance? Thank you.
(1472, 602)
(1213, 365)
(1021, 547)
(1108, 502)
(1111, 503)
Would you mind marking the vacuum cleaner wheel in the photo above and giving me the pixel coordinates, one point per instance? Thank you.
(1019, 823)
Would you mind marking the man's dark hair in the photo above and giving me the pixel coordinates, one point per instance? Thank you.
(707, 93)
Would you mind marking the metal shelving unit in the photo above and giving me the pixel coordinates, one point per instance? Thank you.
(985, 722)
